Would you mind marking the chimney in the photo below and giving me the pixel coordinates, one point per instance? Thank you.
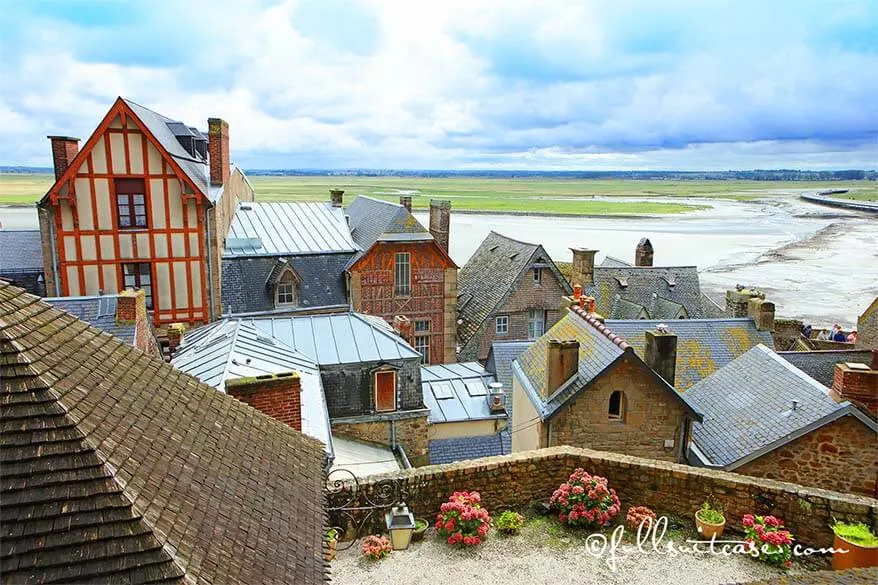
(583, 267)
(218, 148)
(277, 395)
(643, 254)
(440, 221)
(857, 382)
(661, 352)
(175, 337)
(131, 306)
(762, 312)
(403, 326)
(562, 361)
(496, 398)
(737, 300)
(406, 201)
(336, 197)
(64, 148)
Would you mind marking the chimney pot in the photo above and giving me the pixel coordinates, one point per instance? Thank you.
(403, 326)
(661, 353)
(336, 196)
(218, 149)
(406, 201)
(577, 291)
(64, 149)
(440, 221)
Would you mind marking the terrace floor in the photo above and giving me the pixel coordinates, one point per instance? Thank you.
(546, 552)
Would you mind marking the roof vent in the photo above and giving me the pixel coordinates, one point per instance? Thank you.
(623, 281)
(245, 207)
(670, 280)
(795, 404)
(492, 248)
(662, 328)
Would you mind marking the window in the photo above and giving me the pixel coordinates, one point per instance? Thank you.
(536, 323)
(385, 390)
(286, 289)
(422, 346)
(138, 275)
(501, 324)
(402, 275)
(538, 275)
(617, 406)
(130, 203)
(422, 326)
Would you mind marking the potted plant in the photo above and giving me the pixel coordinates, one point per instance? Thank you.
(709, 521)
(768, 540)
(858, 540)
(462, 521)
(331, 540)
(510, 522)
(376, 547)
(638, 515)
(420, 529)
(585, 500)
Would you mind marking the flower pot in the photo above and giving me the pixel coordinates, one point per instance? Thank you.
(857, 555)
(329, 555)
(418, 533)
(707, 531)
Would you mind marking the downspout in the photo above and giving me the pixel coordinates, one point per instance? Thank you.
(393, 435)
(50, 223)
(207, 232)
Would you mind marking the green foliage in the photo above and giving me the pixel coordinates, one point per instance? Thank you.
(856, 533)
(509, 522)
(710, 515)
(420, 524)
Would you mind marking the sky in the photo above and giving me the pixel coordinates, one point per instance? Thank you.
(459, 84)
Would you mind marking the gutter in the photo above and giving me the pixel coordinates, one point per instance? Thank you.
(403, 457)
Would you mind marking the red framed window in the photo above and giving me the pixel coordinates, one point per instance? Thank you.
(385, 391)
(139, 275)
(130, 203)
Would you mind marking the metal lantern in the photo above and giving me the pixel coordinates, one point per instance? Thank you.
(400, 525)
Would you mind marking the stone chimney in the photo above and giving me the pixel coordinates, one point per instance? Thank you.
(562, 361)
(583, 267)
(277, 395)
(857, 382)
(403, 326)
(131, 306)
(175, 337)
(406, 201)
(218, 150)
(643, 253)
(762, 312)
(737, 300)
(661, 352)
(440, 221)
(496, 398)
(336, 197)
(64, 148)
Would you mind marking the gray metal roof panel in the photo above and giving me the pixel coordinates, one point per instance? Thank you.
(20, 250)
(820, 365)
(97, 311)
(288, 228)
(462, 406)
(748, 405)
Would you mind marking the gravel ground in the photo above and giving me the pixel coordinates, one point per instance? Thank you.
(543, 553)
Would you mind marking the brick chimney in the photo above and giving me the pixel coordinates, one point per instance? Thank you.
(737, 300)
(406, 201)
(277, 395)
(562, 361)
(336, 197)
(175, 337)
(218, 148)
(661, 352)
(440, 221)
(857, 383)
(643, 253)
(583, 266)
(131, 306)
(762, 312)
(403, 326)
(64, 148)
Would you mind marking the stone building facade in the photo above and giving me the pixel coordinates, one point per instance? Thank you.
(867, 327)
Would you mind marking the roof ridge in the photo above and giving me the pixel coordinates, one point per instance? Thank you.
(791, 368)
(513, 239)
(597, 324)
(370, 198)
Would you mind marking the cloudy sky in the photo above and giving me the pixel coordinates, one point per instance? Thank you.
(513, 84)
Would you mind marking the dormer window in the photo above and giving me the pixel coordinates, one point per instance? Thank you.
(283, 284)
(286, 289)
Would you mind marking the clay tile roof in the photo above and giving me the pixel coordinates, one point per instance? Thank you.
(119, 468)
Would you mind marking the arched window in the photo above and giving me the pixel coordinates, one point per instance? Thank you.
(617, 406)
(286, 289)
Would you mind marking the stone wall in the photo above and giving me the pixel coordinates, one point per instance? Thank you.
(867, 327)
(842, 455)
(651, 416)
(411, 432)
(514, 481)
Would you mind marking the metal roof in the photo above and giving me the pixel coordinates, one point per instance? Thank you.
(230, 349)
(457, 392)
(338, 338)
(98, 311)
(287, 228)
(20, 250)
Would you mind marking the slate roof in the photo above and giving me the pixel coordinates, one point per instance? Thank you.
(321, 281)
(703, 345)
(230, 349)
(287, 228)
(457, 392)
(338, 338)
(20, 250)
(748, 408)
(820, 365)
(99, 312)
(613, 262)
(490, 276)
(464, 448)
(661, 291)
(118, 468)
(499, 363)
(374, 219)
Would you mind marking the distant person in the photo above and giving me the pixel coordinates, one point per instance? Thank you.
(852, 338)
(839, 335)
(806, 331)
(823, 335)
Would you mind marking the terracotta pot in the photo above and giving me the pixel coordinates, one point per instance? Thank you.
(329, 555)
(707, 531)
(418, 534)
(857, 555)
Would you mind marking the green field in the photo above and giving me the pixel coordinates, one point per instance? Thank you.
(530, 195)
